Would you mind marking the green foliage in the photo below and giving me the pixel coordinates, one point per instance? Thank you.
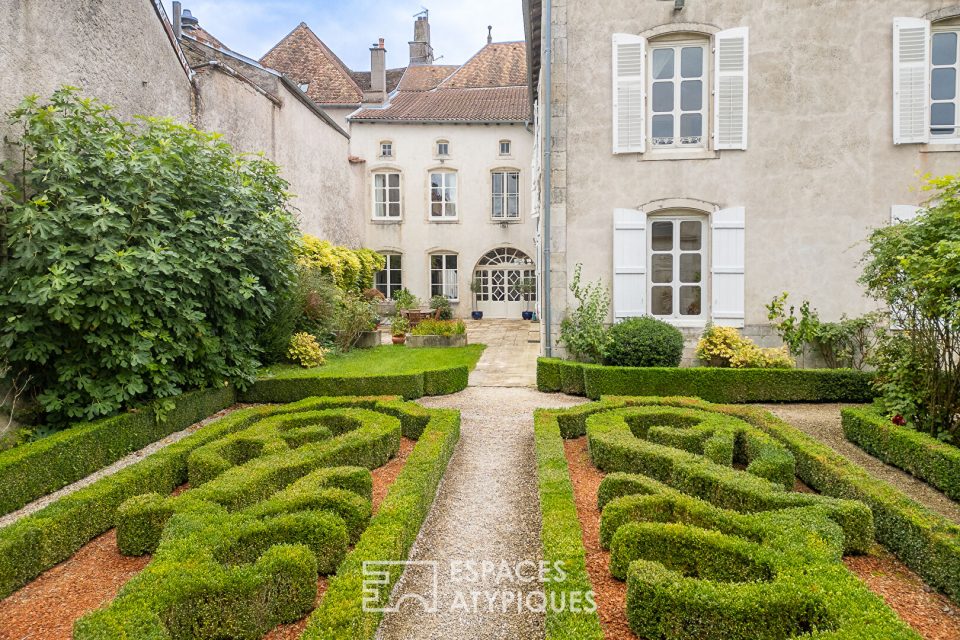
(439, 328)
(33, 470)
(400, 326)
(352, 270)
(443, 304)
(913, 268)
(921, 455)
(139, 261)
(710, 383)
(405, 300)
(353, 315)
(306, 351)
(561, 537)
(583, 332)
(643, 342)
(308, 305)
(849, 343)
(725, 347)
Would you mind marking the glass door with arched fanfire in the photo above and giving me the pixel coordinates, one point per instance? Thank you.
(505, 283)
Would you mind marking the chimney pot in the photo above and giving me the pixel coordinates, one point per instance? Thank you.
(378, 74)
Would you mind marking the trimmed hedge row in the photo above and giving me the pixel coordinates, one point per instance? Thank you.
(389, 537)
(712, 384)
(561, 536)
(409, 386)
(925, 541)
(617, 445)
(33, 470)
(921, 455)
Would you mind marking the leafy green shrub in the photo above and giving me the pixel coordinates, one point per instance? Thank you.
(352, 270)
(307, 306)
(442, 303)
(138, 261)
(405, 299)
(923, 456)
(643, 342)
(400, 326)
(583, 332)
(439, 328)
(725, 347)
(305, 350)
(353, 315)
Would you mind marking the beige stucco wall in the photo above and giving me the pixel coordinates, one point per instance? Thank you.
(821, 169)
(474, 154)
(115, 50)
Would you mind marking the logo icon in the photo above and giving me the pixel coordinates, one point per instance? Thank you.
(421, 586)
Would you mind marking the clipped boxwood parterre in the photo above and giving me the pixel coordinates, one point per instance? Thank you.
(709, 383)
(33, 470)
(430, 382)
(933, 461)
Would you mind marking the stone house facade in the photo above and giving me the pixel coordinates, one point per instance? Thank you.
(706, 156)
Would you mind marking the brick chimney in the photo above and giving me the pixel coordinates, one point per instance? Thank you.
(421, 53)
(378, 74)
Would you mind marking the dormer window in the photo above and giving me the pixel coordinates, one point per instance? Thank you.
(443, 148)
(386, 149)
(504, 147)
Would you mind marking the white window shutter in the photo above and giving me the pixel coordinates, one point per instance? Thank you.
(731, 88)
(728, 269)
(629, 93)
(629, 263)
(911, 81)
(904, 213)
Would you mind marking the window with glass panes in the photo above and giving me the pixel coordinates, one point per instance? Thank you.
(386, 195)
(504, 147)
(678, 95)
(443, 275)
(386, 149)
(390, 278)
(443, 195)
(443, 148)
(943, 85)
(506, 194)
(677, 267)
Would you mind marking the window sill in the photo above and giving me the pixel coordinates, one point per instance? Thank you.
(386, 221)
(940, 147)
(507, 221)
(679, 154)
(443, 220)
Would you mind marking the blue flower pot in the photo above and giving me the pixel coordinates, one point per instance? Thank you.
(527, 315)
(476, 315)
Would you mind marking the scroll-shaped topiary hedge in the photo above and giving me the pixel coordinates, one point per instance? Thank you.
(714, 545)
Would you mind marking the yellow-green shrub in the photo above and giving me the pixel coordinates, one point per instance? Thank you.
(305, 350)
(725, 347)
(351, 269)
(753, 357)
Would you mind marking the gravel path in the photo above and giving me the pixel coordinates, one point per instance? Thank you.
(122, 463)
(822, 421)
(487, 509)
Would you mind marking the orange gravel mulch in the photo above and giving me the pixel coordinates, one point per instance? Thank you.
(931, 614)
(610, 594)
(46, 608)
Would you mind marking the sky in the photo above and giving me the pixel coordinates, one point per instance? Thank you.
(458, 27)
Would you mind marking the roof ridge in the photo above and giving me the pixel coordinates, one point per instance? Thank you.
(334, 58)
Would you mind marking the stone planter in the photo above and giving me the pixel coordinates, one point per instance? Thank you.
(368, 340)
(417, 342)
(386, 308)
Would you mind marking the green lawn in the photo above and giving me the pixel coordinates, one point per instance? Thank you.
(391, 359)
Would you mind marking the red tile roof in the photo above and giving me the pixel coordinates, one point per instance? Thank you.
(425, 77)
(491, 104)
(303, 57)
(502, 64)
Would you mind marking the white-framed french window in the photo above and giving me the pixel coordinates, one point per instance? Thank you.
(678, 267)
(945, 84)
(443, 276)
(679, 112)
(505, 147)
(443, 195)
(390, 278)
(505, 203)
(386, 149)
(386, 195)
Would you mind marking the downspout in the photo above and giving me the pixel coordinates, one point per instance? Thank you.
(547, 99)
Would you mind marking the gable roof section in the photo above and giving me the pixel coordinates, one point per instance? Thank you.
(362, 78)
(425, 77)
(502, 64)
(303, 57)
(488, 104)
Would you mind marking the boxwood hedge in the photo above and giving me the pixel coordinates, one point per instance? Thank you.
(33, 470)
(712, 384)
(560, 535)
(408, 385)
(927, 458)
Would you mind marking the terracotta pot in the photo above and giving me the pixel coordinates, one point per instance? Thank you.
(399, 339)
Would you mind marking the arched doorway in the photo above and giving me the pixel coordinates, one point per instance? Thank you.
(506, 283)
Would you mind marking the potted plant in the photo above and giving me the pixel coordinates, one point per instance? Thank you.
(476, 286)
(442, 304)
(405, 300)
(399, 330)
(525, 287)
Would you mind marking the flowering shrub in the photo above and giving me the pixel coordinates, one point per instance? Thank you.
(351, 269)
(725, 347)
(750, 356)
(306, 351)
(439, 328)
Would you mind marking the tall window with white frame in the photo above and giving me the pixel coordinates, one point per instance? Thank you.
(390, 278)
(443, 276)
(677, 267)
(678, 94)
(506, 194)
(386, 195)
(944, 94)
(443, 195)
